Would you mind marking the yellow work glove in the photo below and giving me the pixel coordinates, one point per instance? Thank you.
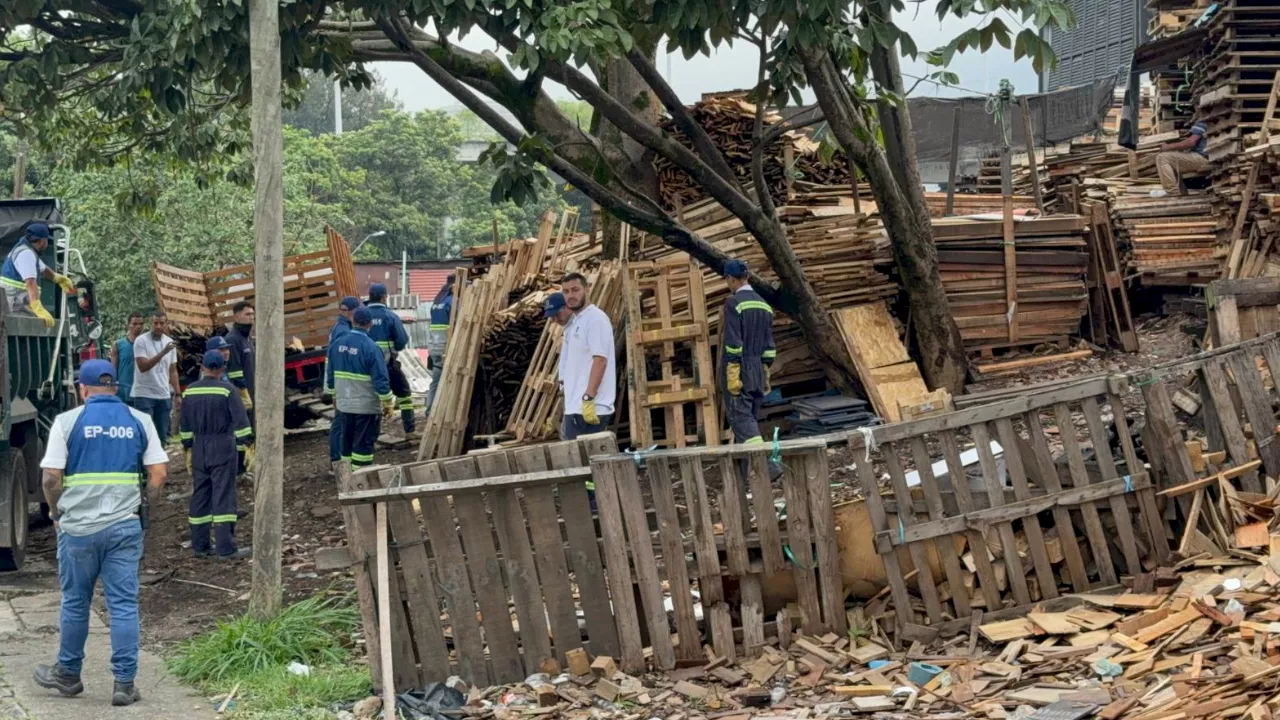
(186, 453)
(65, 283)
(38, 310)
(768, 385)
(733, 378)
(250, 458)
(589, 412)
(246, 399)
(388, 409)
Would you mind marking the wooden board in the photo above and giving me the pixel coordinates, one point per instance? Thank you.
(887, 372)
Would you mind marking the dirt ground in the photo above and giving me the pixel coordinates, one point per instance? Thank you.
(183, 596)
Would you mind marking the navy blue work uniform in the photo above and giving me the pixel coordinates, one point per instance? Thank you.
(342, 327)
(240, 365)
(748, 343)
(389, 335)
(213, 422)
(357, 376)
(438, 337)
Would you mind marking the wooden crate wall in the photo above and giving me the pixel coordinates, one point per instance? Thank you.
(182, 295)
(311, 295)
(494, 533)
(1104, 497)
(694, 493)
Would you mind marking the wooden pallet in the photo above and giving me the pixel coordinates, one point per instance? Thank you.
(655, 326)
(1117, 320)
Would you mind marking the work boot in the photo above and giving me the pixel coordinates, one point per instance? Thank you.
(125, 694)
(242, 553)
(202, 553)
(56, 677)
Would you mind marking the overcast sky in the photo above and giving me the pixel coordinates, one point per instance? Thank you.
(735, 67)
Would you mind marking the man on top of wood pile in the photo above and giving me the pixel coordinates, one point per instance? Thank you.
(588, 373)
(1183, 156)
(746, 355)
(389, 334)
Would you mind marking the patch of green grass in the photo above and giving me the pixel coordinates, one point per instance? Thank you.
(254, 654)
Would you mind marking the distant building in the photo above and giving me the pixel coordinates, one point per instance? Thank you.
(1099, 45)
(426, 277)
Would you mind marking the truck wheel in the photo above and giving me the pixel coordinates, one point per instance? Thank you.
(14, 481)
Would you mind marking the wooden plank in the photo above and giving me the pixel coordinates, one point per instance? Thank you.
(752, 616)
(584, 547)
(822, 511)
(766, 516)
(1107, 467)
(548, 553)
(358, 531)
(987, 583)
(616, 555)
(880, 523)
(1030, 524)
(486, 577)
(733, 516)
(1043, 460)
(664, 505)
(800, 542)
(517, 558)
(384, 606)
(1080, 478)
(1257, 408)
(453, 578)
(946, 546)
(995, 493)
(1158, 411)
(1229, 421)
(446, 489)
(919, 554)
(704, 534)
(646, 566)
(420, 587)
(1148, 510)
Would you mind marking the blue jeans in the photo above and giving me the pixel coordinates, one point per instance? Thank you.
(159, 410)
(112, 554)
(575, 425)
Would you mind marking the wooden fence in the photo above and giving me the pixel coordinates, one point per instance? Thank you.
(993, 508)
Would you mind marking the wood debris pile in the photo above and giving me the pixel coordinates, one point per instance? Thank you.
(1195, 643)
(729, 121)
(1166, 240)
(1049, 262)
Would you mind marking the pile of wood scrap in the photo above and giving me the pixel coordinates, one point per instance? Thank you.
(970, 203)
(730, 121)
(989, 181)
(1166, 240)
(1046, 260)
(510, 341)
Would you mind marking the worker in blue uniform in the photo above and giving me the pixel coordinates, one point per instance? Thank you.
(438, 335)
(357, 377)
(346, 309)
(213, 422)
(219, 343)
(746, 354)
(93, 465)
(241, 367)
(389, 334)
(21, 272)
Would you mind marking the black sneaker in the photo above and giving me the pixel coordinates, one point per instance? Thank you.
(56, 677)
(202, 553)
(125, 694)
(240, 554)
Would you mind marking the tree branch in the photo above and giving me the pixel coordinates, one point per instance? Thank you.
(763, 196)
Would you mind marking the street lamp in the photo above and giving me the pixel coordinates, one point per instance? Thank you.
(366, 239)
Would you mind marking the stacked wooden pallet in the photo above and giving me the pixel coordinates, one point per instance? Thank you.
(1233, 79)
(1048, 261)
(989, 180)
(1169, 240)
(1173, 101)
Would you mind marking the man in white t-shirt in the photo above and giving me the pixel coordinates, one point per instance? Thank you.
(588, 372)
(155, 385)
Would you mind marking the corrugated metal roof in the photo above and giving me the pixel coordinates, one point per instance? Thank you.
(427, 282)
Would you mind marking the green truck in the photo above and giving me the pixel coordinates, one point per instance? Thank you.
(37, 368)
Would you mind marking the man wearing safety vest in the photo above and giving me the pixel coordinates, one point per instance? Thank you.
(92, 470)
(19, 276)
(389, 335)
(357, 375)
(438, 335)
(346, 309)
(212, 424)
(746, 355)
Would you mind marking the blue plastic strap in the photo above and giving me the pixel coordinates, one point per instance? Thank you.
(777, 448)
(638, 455)
(1128, 483)
(902, 531)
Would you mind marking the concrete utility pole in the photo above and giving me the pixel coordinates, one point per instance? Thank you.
(268, 270)
(337, 107)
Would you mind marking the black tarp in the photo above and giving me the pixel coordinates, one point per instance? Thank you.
(16, 215)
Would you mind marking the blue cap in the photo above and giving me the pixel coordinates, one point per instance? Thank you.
(217, 342)
(92, 372)
(377, 290)
(452, 278)
(735, 269)
(213, 360)
(362, 316)
(554, 304)
(38, 230)
(349, 303)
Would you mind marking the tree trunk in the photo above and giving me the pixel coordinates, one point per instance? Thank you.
(268, 230)
(626, 86)
(904, 214)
